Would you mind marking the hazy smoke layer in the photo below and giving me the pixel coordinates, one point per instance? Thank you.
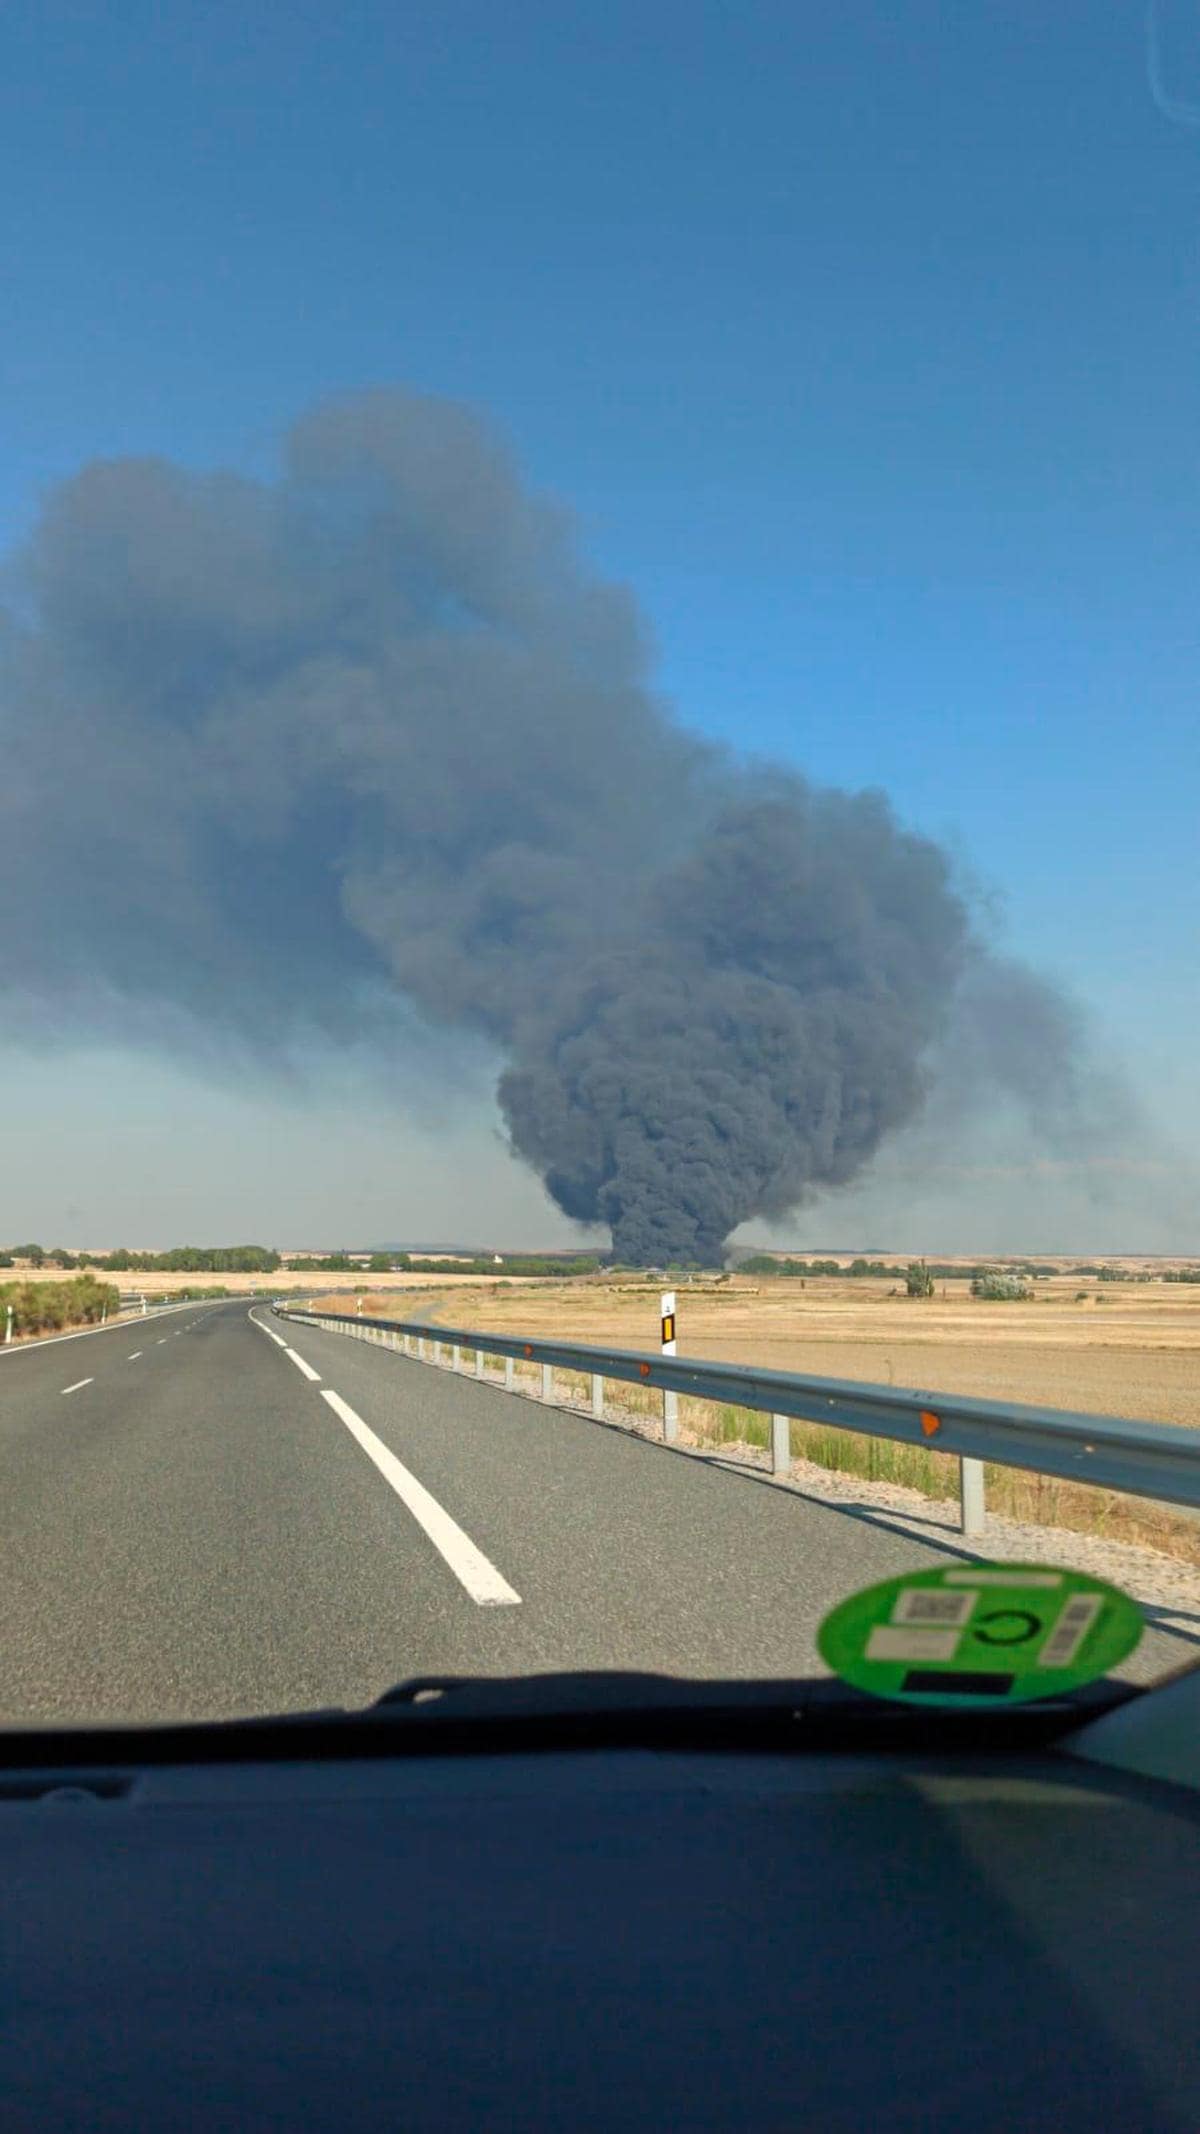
(268, 743)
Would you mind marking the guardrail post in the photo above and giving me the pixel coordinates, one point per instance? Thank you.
(547, 1381)
(420, 1348)
(457, 1364)
(670, 1417)
(781, 1444)
(510, 1373)
(480, 1360)
(597, 1398)
(971, 1497)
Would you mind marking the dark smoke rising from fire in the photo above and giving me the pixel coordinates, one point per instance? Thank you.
(269, 744)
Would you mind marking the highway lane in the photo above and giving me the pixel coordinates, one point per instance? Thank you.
(195, 1522)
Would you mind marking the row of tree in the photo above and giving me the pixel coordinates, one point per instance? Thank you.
(518, 1263)
(181, 1259)
(766, 1263)
(1018, 1272)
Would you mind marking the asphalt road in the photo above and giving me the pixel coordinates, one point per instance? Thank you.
(205, 1516)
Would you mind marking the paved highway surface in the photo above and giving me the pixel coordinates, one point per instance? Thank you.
(214, 1512)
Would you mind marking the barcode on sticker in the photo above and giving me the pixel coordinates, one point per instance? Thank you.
(931, 1604)
(1070, 1630)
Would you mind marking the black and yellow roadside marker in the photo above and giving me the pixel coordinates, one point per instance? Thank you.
(666, 1306)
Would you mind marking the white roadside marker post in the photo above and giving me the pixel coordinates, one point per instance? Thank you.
(670, 1400)
(8, 1323)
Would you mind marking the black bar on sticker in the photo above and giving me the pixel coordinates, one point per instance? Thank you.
(929, 1681)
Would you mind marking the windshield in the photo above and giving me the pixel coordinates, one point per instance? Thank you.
(597, 676)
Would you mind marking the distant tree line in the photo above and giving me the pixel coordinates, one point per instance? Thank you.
(261, 1259)
(193, 1259)
(917, 1275)
(764, 1263)
(516, 1263)
(181, 1259)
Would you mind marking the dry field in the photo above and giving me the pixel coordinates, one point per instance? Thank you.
(1122, 1350)
(281, 1284)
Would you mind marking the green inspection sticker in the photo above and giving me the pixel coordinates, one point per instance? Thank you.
(980, 1634)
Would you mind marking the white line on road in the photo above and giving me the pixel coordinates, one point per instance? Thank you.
(470, 1566)
(270, 1333)
(134, 1357)
(162, 1342)
(79, 1383)
(302, 1366)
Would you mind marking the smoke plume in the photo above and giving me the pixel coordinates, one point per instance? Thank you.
(278, 753)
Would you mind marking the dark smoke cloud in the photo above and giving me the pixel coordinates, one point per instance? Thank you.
(279, 754)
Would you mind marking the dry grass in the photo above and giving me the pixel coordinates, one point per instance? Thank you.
(1135, 1354)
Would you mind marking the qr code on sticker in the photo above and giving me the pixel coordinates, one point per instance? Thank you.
(929, 1604)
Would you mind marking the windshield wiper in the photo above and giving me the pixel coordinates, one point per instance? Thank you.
(480, 1715)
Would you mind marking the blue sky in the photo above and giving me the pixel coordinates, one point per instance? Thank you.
(862, 341)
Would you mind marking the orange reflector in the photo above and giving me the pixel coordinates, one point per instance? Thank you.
(930, 1423)
(528, 1350)
(644, 1368)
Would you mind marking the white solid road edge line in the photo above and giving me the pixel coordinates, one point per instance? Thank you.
(302, 1366)
(270, 1333)
(470, 1566)
(79, 1384)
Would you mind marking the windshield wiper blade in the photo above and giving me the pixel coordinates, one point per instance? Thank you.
(820, 1709)
(480, 1715)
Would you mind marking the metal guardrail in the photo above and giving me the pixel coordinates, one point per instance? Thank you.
(1155, 1460)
